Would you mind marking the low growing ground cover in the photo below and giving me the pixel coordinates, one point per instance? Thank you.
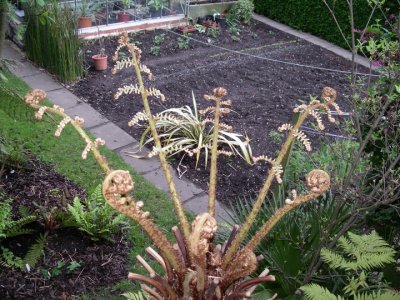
(263, 92)
(50, 175)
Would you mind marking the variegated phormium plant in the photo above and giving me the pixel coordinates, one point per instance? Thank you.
(196, 268)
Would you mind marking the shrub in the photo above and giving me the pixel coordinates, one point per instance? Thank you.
(242, 11)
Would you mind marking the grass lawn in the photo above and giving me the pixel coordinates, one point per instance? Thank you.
(17, 123)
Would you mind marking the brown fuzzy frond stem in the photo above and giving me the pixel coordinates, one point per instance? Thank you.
(329, 95)
(240, 289)
(183, 222)
(153, 282)
(218, 93)
(77, 126)
(116, 187)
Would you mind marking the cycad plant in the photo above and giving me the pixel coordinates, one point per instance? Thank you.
(195, 267)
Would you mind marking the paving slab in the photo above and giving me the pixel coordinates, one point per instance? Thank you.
(199, 205)
(141, 165)
(114, 136)
(157, 178)
(63, 98)
(42, 81)
(90, 115)
(23, 68)
(185, 188)
(10, 51)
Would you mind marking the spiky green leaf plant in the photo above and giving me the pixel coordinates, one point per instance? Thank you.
(185, 130)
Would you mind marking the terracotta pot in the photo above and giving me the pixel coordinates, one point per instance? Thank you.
(186, 28)
(100, 62)
(123, 17)
(84, 22)
(210, 24)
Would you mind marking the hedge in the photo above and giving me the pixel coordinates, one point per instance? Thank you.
(313, 16)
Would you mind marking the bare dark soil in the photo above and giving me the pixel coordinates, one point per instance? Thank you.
(101, 264)
(263, 92)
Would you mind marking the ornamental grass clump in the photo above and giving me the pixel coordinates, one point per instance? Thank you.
(195, 267)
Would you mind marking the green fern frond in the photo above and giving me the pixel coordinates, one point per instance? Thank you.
(76, 210)
(139, 295)
(24, 211)
(35, 252)
(365, 252)
(16, 227)
(380, 295)
(18, 232)
(96, 196)
(315, 292)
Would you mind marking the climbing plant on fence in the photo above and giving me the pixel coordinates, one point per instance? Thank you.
(314, 17)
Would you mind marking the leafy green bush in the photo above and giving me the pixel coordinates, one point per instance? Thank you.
(95, 217)
(357, 256)
(314, 17)
(241, 11)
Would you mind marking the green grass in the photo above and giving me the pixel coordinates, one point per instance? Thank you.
(17, 123)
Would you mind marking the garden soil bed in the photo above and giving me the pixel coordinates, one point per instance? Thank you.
(263, 92)
(101, 264)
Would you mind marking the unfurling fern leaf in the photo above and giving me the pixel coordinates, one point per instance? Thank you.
(359, 253)
(35, 252)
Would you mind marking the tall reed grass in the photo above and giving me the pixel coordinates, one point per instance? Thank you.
(52, 42)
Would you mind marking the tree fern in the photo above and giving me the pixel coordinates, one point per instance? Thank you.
(359, 253)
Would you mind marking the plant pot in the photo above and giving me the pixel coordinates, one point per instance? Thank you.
(123, 17)
(186, 28)
(221, 20)
(100, 62)
(84, 22)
